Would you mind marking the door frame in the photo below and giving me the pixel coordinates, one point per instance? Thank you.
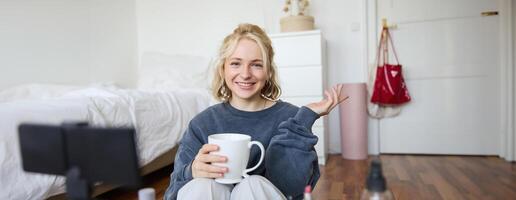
(507, 39)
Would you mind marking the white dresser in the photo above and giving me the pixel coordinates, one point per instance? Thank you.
(301, 62)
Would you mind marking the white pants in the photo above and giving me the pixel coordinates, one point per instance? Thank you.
(253, 188)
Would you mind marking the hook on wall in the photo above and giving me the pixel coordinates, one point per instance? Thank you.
(385, 25)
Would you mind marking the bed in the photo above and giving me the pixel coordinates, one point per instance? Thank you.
(160, 115)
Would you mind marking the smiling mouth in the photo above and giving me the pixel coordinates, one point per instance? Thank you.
(245, 84)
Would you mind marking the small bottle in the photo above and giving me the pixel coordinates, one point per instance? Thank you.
(147, 194)
(376, 187)
(308, 193)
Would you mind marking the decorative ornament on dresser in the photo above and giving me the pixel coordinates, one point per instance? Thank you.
(297, 18)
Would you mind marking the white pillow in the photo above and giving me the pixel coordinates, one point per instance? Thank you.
(168, 72)
(35, 91)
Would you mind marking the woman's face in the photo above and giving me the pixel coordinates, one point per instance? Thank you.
(244, 71)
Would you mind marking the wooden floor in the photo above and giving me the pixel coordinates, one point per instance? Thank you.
(408, 177)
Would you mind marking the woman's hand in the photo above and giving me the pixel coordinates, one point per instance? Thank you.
(202, 167)
(333, 98)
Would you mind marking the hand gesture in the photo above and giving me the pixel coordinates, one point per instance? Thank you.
(333, 98)
(202, 167)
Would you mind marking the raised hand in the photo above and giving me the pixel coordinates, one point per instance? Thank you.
(202, 167)
(333, 98)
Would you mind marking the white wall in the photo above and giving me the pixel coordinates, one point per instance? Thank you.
(43, 41)
(194, 27)
(198, 26)
(514, 57)
(66, 41)
(113, 41)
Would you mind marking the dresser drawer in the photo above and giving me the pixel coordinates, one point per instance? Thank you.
(300, 81)
(297, 50)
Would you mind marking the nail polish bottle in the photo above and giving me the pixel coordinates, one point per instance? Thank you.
(376, 186)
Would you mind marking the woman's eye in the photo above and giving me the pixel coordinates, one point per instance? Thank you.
(234, 64)
(257, 65)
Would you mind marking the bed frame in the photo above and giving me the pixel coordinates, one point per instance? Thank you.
(161, 161)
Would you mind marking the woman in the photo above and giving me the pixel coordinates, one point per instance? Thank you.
(247, 85)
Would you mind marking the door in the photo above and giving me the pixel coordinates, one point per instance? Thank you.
(450, 56)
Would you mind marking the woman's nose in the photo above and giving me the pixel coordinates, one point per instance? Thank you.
(245, 72)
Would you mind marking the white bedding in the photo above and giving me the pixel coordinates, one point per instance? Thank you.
(159, 117)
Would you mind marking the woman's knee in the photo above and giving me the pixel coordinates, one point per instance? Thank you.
(256, 187)
(200, 188)
(254, 179)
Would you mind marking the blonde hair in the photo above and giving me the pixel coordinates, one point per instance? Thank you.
(271, 90)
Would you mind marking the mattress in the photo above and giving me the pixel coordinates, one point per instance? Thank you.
(159, 117)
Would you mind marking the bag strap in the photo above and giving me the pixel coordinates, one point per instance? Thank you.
(388, 81)
(384, 42)
(392, 44)
(378, 55)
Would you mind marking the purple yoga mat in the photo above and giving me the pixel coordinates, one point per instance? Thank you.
(353, 122)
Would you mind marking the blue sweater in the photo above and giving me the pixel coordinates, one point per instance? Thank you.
(285, 131)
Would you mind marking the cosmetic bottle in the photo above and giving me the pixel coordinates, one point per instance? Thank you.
(376, 186)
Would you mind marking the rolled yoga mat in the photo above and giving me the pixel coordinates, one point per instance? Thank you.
(353, 122)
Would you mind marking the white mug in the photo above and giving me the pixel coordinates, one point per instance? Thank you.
(236, 147)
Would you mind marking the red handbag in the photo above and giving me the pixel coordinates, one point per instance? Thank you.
(389, 86)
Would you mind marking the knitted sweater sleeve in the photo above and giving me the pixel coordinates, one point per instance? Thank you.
(188, 148)
(290, 160)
